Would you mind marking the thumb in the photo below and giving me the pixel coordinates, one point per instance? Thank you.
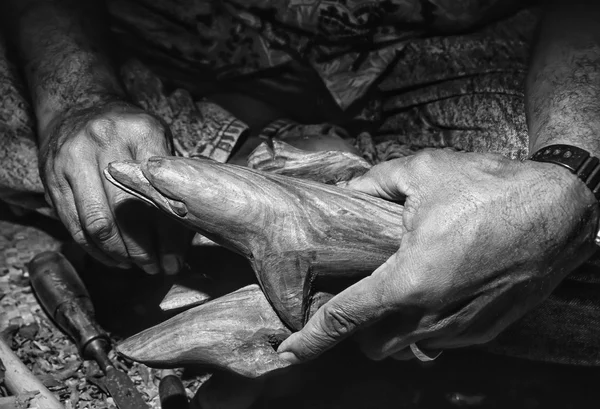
(388, 180)
(358, 306)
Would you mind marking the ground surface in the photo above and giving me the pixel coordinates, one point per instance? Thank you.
(36, 340)
(342, 379)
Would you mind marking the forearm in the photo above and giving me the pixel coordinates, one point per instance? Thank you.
(563, 86)
(60, 44)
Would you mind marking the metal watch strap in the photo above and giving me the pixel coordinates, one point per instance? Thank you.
(577, 160)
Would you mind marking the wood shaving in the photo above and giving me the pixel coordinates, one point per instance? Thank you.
(43, 348)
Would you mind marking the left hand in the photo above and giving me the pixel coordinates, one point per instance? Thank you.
(487, 239)
(110, 224)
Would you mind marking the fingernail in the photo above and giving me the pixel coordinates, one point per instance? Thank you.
(170, 264)
(289, 357)
(124, 265)
(151, 269)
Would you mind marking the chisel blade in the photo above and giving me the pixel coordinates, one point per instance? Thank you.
(123, 391)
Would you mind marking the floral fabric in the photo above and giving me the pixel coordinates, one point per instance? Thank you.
(348, 43)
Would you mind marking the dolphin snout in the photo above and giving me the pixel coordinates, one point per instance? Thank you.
(130, 176)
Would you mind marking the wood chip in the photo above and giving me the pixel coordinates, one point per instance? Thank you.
(41, 346)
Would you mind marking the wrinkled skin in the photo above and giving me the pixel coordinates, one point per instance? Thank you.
(110, 224)
(488, 238)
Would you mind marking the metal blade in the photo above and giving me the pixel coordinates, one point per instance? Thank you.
(123, 391)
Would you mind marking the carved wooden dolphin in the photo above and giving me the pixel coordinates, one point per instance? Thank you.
(304, 239)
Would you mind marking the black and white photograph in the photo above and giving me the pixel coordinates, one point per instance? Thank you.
(299, 204)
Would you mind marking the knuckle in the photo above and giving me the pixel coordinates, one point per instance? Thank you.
(423, 160)
(101, 126)
(337, 322)
(145, 124)
(100, 226)
(79, 237)
(72, 148)
(58, 187)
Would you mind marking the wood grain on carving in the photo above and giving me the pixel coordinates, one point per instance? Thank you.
(301, 237)
(240, 333)
(305, 240)
(331, 167)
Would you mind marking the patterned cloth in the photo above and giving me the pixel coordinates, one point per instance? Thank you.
(199, 128)
(348, 43)
(379, 66)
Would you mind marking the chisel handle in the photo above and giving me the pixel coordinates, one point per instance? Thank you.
(64, 297)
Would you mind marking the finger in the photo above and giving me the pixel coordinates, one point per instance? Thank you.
(165, 240)
(463, 328)
(479, 323)
(404, 355)
(95, 215)
(174, 241)
(340, 317)
(423, 355)
(393, 334)
(357, 307)
(134, 220)
(432, 330)
(389, 180)
(63, 202)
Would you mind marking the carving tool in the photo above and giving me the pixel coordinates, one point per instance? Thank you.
(64, 297)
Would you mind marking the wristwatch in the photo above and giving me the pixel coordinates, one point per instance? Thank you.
(578, 161)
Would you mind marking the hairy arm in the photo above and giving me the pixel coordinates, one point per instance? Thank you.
(62, 48)
(563, 87)
(84, 123)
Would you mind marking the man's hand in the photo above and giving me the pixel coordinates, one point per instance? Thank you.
(110, 224)
(487, 239)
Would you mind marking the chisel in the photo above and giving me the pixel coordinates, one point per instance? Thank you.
(64, 297)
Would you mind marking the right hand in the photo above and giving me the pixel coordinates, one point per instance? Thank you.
(110, 224)
(487, 239)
